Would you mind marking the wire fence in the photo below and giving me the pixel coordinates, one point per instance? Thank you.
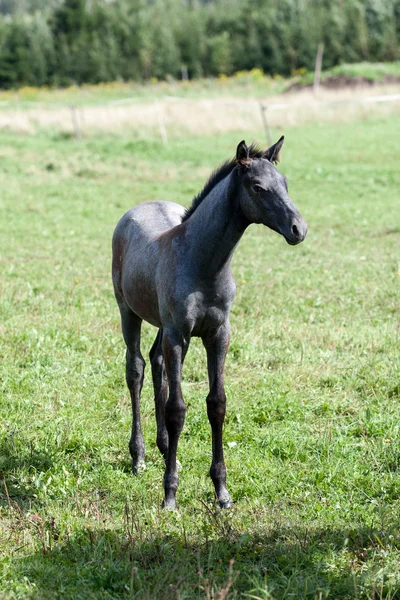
(171, 112)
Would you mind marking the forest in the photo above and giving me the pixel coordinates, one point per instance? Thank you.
(80, 41)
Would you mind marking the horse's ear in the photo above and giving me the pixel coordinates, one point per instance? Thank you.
(273, 153)
(242, 154)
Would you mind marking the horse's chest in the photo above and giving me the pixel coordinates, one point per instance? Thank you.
(208, 310)
(214, 315)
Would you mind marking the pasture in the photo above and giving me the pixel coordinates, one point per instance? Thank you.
(312, 440)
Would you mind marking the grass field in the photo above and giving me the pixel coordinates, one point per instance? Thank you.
(242, 84)
(312, 432)
(366, 71)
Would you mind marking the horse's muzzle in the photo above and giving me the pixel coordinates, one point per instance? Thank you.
(297, 233)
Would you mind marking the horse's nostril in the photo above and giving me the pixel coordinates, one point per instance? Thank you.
(295, 231)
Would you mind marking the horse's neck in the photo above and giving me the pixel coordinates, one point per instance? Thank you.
(215, 229)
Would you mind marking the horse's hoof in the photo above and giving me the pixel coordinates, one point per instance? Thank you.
(225, 503)
(168, 504)
(138, 467)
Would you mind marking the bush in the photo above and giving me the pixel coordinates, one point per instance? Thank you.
(78, 41)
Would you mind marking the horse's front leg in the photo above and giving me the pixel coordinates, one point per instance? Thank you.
(216, 344)
(174, 347)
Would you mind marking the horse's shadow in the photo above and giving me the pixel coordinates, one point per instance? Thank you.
(143, 560)
(285, 563)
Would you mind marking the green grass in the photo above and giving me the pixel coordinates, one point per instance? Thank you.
(374, 72)
(241, 84)
(370, 72)
(252, 83)
(312, 432)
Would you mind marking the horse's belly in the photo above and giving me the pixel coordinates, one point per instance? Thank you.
(139, 292)
(146, 311)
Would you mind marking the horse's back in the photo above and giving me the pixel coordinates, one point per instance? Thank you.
(149, 219)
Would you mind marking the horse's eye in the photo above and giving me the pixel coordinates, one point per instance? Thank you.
(256, 188)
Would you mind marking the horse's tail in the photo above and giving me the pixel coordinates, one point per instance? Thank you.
(118, 255)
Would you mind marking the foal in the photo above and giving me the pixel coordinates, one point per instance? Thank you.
(171, 267)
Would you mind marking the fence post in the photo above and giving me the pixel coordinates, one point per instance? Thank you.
(161, 122)
(318, 65)
(184, 73)
(263, 109)
(75, 122)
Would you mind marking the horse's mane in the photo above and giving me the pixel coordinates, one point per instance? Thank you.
(218, 175)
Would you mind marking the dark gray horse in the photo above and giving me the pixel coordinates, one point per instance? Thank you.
(171, 267)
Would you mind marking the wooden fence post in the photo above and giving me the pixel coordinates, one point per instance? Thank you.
(318, 66)
(161, 122)
(184, 73)
(75, 122)
(263, 109)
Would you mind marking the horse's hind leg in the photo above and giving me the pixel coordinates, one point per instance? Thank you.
(131, 325)
(160, 384)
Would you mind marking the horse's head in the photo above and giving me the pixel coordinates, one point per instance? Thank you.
(264, 194)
